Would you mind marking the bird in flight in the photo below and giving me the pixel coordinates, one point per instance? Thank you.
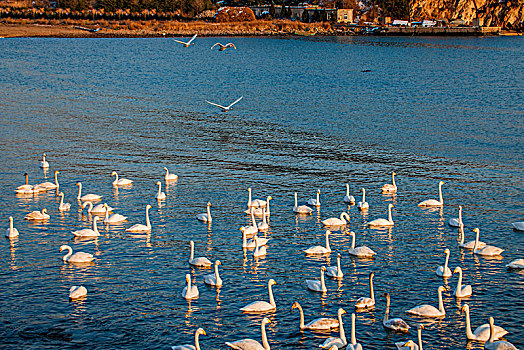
(190, 42)
(223, 47)
(225, 109)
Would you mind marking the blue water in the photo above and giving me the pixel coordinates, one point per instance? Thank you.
(430, 109)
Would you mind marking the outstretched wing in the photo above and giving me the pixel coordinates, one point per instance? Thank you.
(231, 105)
(214, 104)
(231, 45)
(193, 38)
(216, 45)
(180, 42)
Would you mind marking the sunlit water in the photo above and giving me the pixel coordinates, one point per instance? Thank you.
(430, 109)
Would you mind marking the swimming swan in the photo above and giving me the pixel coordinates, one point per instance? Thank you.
(471, 244)
(190, 291)
(205, 217)
(113, 219)
(44, 164)
(348, 198)
(38, 215)
(339, 341)
(488, 250)
(11, 231)
(482, 332)
(251, 242)
(344, 220)
(191, 347)
(201, 261)
(433, 202)
(395, 324)
(429, 310)
(160, 196)
(139, 228)
(315, 202)
(260, 250)
(87, 232)
(170, 176)
(49, 185)
(457, 222)
(367, 303)
(360, 252)
(383, 222)
(496, 345)
(262, 306)
(516, 264)
(120, 182)
(318, 324)
(444, 271)
(99, 209)
(63, 206)
(86, 197)
(363, 205)
(250, 344)
(354, 345)
(77, 292)
(319, 250)
(263, 226)
(318, 286)
(519, 225)
(335, 271)
(214, 278)
(260, 211)
(390, 188)
(462, 291)
(301, 209)
(410, 344)
(78, 257)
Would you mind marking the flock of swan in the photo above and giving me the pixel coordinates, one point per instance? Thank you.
(488, 333)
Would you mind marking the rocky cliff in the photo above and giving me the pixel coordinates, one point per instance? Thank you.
(493, 13)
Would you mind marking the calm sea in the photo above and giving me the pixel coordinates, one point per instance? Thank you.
(317, 113)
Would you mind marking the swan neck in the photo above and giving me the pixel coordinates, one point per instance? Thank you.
(265, 344)
(191, 257)
(188, 290)
(342, 333)
(491, 332)
(11, 225)
(249, 198)
(159, 189)
(339, 269)
(94, 226)
(461, 233)
(393, 180)
(244, 241)
(322, 280)
(476, 241)
(148, 223)
(420, 338)
(79, 190)
(264, 220)
(296, 200)
(371, 291)
(208, 213)
(353, 241)
(26, 179)
(459, 282)
(390, 217)
(267, 207)
(271, 298)
(253, 222)
(347, 190)
(217, 276)
(469, 334)
(446, 263)
(318, 197)
(440, 194)
(69, 253)
(363, 195)
(302, 325)
(106, 218)
(386, 315)
(56, 179)
(440, 303)
(327, 242)
(197, 342)
(61, 200)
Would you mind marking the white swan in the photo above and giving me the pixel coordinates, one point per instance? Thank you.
(488, 250)
(519, 225)
(38, 215)
(339, 341)
(315, 201)
(11, 231)
(262, 306)
(348, 198)
(187, 44)
(390, 188)
(335, 271)
(160, 196)
(383, 222)
(481, 333)
(223, 47)
(99, 209)
(200, 261)
(170, 176)
(188, 346)
(491, 344)
(444, 271)
(471, 244)
(395, 324)
(462, 291)
(363, 205)
(205, 217)
(226, 108)
(318, 286)
(77, 292)
(457, 222)
(113, 219)
(190, 291)
(410, 344)
(318, 324)
(44, 164)
(344, 220)
(263, 226)
(362, 251)
(63, 206)
(260, 211)
(248, 230)
(214, 278)
(250, 344)
(139, 228)
(301, 209)
(429, 310)
(516, 264)
(86, 197)
(353, 345)
(49, 185)
(260, 250)
(319, 250)
(250, 243)
(364, 302)
(78, 257)
(120, 182)
(434, 202)
(25, 186)
(87, 232)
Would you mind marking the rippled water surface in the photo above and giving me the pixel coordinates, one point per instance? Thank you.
(312, 118)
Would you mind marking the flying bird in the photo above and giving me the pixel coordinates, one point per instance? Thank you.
(225, 109)
(190, 42)
(223, 47)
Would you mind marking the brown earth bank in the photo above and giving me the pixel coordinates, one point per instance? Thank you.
(154, 28)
